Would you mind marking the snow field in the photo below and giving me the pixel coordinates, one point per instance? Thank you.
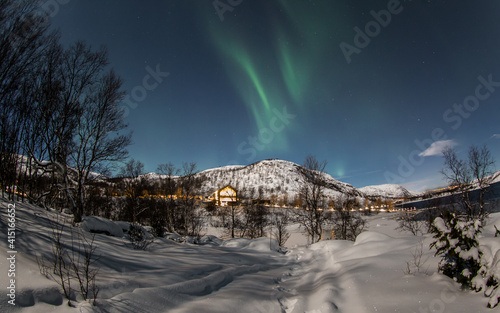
(242, 275)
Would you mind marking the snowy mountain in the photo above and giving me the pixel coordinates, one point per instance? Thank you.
(386, 191)
(496, 177)
(263, 179)
(267, 178)
(278, 178)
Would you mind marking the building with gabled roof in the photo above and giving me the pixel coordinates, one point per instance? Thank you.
(225, 196)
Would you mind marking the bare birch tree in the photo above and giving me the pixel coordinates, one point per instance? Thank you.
(466, 175)
(312, 215)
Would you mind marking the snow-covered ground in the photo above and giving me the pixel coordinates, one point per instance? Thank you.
(241, 275)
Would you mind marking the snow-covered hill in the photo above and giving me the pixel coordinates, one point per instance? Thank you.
(267, 178)
(279, 178)
(386, 191)
(496, 177)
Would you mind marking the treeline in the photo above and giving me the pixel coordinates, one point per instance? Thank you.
(172, 202)
(60, 119)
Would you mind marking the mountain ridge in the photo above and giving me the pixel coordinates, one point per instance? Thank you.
(270, 178)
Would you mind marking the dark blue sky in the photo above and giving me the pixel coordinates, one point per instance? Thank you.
(366, 85)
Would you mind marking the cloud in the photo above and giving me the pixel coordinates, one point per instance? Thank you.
(437, 147)
(496, 136)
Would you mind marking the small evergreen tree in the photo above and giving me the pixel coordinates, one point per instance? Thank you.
(456, 242)
(138, 237)
(489, 279)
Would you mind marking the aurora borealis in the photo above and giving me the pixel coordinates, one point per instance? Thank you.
(270, 79)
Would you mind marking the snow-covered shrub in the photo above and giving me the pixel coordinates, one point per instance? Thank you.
(416, 265)
(456, 242)
(409, 221)
(347, 225)
(139, 237)
(463, 259)
(71, 260)
(489, 278)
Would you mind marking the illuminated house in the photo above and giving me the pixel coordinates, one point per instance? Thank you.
(225, 196)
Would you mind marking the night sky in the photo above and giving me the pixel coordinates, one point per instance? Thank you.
(366, 85)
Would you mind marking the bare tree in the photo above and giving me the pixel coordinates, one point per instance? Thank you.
(96, 142)
(481, 164)
(132, 187)
(61, 270)
(71, 259)
(279, 222)
(76, 109)
(346, 223)
(23, 40)
(168, 187)
(410, 221)
(233, 223)
(83, 266)
(418, 260)
(312, 215)
(191, 214)
(57, 108)
(465, 176)
(254, 220)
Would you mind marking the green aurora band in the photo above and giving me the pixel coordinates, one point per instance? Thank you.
(268, 76)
